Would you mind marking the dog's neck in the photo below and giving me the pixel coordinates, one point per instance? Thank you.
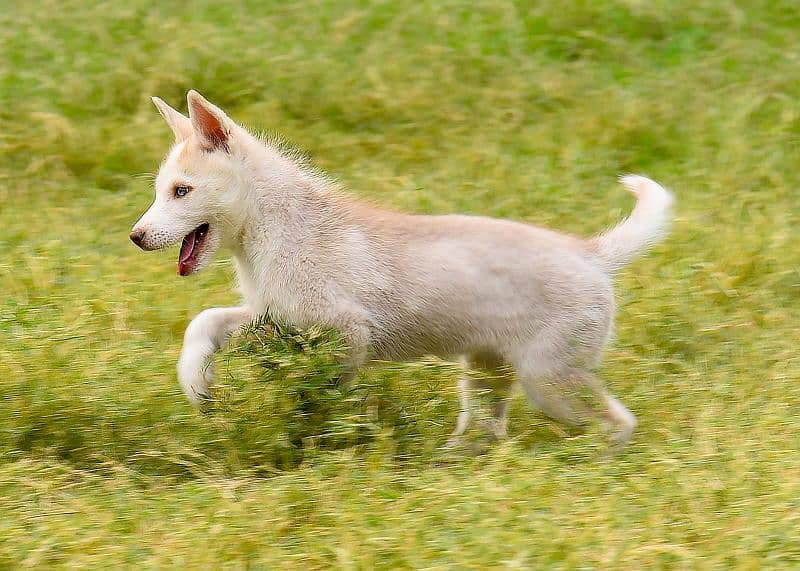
(285, 207)
(277, 189)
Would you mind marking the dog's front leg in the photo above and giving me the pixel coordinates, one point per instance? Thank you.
(206, 333)
(357, 335)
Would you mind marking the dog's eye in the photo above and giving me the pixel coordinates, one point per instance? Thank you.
(181, 191)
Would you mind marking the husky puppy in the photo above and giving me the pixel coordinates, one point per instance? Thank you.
(517, 302)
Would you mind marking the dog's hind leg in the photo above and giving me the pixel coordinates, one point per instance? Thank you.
(575, 397)
(207, 333)
(488, 372)
(465, 414)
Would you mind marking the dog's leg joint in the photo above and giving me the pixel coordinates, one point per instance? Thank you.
(206, 334)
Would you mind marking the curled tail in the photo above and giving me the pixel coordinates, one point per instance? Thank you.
(647, 225)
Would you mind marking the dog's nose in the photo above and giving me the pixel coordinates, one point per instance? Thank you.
(137, 237)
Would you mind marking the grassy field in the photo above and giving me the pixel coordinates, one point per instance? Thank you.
(526, 110)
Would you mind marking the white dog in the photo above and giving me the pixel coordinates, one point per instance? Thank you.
(505, 296)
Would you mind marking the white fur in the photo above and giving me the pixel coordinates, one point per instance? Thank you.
(647, 225)
(502, 294)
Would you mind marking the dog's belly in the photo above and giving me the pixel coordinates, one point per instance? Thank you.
(403, 344)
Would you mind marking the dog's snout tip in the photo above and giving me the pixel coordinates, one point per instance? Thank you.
(137, 237)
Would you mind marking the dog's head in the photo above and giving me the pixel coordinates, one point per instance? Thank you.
(197, 187)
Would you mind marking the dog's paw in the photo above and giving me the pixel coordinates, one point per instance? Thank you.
(452, 443)
(195, 380)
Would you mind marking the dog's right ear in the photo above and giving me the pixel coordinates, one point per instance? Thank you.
(179, 123)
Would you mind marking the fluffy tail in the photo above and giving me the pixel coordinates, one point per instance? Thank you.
(647, 225)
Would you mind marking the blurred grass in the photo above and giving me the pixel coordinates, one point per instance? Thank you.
(525, 110)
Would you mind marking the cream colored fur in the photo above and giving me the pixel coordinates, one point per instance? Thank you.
(505, 296)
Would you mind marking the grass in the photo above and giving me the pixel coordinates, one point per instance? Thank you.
(512, 109)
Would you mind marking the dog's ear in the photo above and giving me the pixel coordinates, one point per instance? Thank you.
(209, 122)
(178, 122)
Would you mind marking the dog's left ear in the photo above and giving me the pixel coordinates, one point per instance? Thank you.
(179, 123)
(209, 122)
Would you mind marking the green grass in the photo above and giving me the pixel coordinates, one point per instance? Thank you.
(513, 109)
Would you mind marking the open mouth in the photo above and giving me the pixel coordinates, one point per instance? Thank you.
(191, 248)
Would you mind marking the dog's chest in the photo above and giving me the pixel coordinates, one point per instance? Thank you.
(267, 288)
(250, 286)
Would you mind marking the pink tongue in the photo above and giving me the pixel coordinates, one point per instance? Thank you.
(187, 248)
